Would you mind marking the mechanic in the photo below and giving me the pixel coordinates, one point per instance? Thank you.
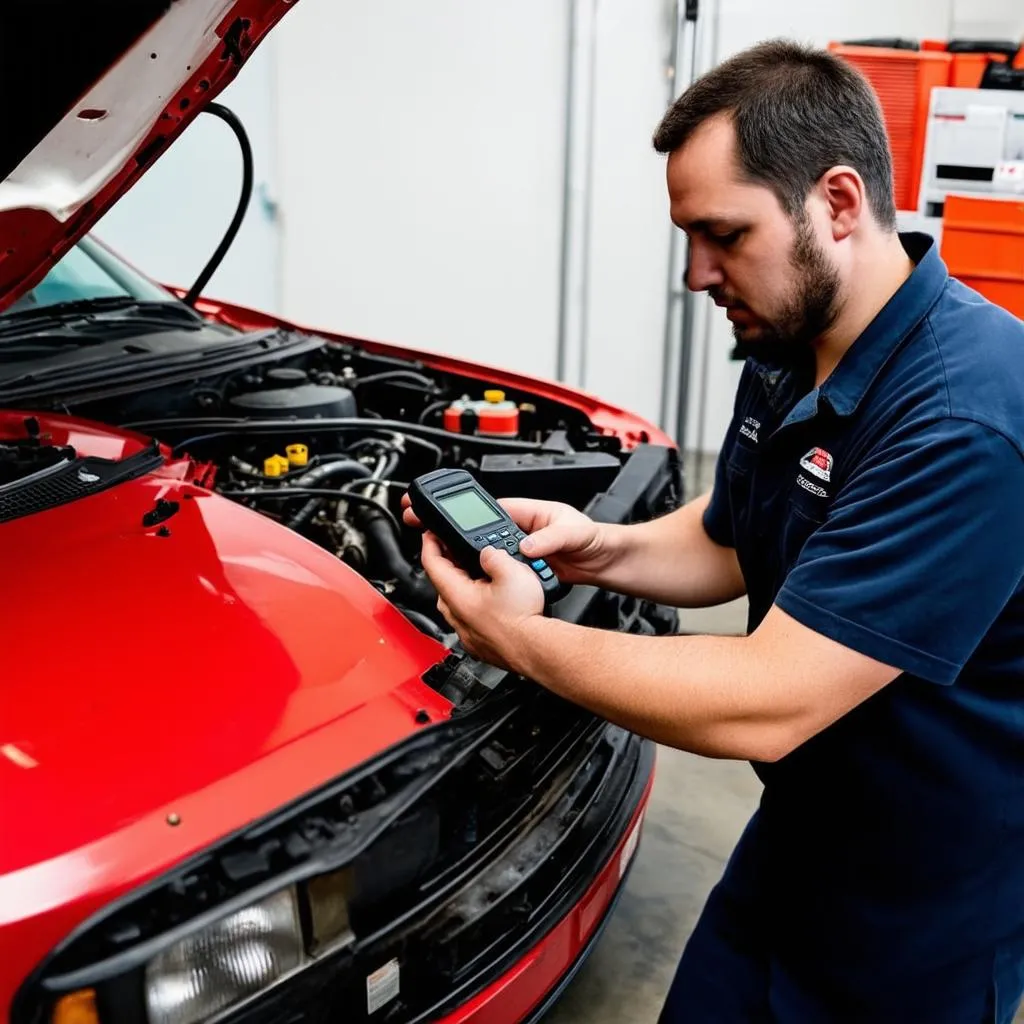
(869, 501)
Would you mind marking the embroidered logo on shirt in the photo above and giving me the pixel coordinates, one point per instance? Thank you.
(749, 428)
(811, 487)
(818, 463)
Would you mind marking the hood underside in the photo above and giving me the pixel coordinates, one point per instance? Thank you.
(112, 85)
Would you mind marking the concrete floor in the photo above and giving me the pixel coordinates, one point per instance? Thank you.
(697, 811)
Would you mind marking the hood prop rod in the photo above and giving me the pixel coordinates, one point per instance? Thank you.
(233, 122)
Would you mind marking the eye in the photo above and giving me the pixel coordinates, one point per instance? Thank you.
(725, 240)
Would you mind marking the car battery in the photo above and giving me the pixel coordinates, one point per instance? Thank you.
(494, 416)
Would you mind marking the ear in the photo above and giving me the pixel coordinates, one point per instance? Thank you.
(845, 198)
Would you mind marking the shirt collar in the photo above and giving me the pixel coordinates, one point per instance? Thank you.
(866, 357)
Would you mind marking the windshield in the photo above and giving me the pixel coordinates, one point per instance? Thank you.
(89, 271)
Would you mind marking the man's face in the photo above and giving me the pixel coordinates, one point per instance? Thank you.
(771, 273)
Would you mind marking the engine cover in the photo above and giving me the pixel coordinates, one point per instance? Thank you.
(306, 401)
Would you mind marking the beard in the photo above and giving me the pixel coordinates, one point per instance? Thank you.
(785, 341)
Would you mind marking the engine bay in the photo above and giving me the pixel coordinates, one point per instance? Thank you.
(327, 442)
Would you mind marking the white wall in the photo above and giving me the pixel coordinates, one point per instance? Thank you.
(421, 173)
(630, 220)
(443, 156)
(437, 131)
(988, 19)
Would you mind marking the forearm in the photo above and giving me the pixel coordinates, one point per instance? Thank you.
(755, 697)
(703, 694)
(672, 560)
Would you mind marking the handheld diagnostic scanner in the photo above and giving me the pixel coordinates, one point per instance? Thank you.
(453, 505)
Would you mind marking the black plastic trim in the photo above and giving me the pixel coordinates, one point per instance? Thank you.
(649, 485)
(613, 831)
(964, 172)
(615, 811)
(70, 481)
(112, 377)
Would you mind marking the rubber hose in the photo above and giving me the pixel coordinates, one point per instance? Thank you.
(417, 591)
(341, 468)
(425, 624)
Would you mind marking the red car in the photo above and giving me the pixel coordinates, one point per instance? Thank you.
(246, 773)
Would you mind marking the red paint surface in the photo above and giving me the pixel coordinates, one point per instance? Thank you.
(217, 674)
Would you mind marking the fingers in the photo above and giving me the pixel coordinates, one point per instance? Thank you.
(528, 514)
(444, 574)
(549, 540)
(500, 565)
(408, 516)
(446, 612)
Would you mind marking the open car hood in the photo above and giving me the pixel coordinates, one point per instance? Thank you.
(111, 88)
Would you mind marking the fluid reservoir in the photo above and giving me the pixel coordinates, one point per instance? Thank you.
(298, 455)
(494, 416)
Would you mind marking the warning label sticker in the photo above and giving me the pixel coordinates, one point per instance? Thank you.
(382, 986)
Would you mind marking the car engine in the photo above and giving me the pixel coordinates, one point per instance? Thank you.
(327, 443)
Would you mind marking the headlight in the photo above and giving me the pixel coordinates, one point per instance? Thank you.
(231, 960)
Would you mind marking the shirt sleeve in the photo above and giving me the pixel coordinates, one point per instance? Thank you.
(920, 552)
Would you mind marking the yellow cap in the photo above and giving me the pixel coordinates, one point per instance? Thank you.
(77, 1008)
(276, 465)
(494, 395)
(298, 454)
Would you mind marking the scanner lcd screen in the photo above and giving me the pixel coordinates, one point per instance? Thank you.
(469, 509)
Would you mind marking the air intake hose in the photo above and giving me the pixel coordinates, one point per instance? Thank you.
(417, 591)
(347, 469)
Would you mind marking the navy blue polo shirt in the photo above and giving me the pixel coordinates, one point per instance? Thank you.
(885, 510)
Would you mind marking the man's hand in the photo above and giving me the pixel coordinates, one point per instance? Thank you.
(574, 545)
(488, 615)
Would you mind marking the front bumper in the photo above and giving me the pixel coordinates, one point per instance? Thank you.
(484, 935)
(527, 991)
(502, 961)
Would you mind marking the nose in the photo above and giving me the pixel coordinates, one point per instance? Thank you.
(702, 268)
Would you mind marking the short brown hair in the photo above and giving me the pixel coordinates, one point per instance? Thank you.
(798, 111)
